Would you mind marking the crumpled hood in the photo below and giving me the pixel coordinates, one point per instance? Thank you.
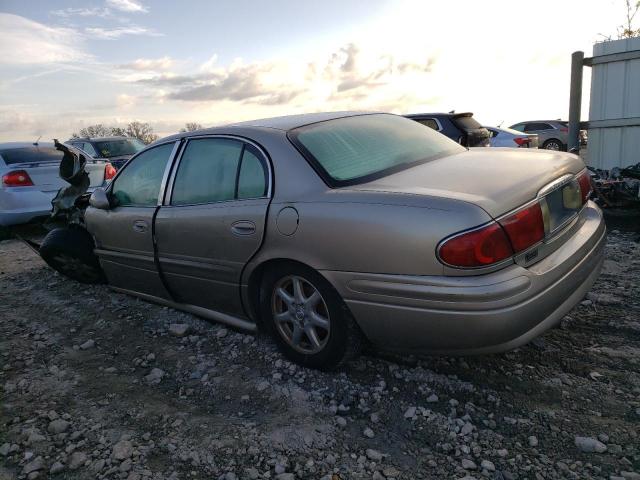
(496, 179)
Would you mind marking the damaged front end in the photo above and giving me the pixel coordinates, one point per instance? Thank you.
(70, 202)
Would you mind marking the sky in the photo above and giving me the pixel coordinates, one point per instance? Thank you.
(66, 64)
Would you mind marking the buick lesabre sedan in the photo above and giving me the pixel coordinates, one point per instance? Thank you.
(328, 230)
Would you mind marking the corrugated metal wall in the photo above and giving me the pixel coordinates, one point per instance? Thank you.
(615, 94)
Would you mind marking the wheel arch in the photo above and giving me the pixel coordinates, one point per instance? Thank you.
(251, 294)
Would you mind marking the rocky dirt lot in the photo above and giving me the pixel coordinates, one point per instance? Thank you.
(96, 384)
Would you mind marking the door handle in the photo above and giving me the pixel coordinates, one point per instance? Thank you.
(140, 226)
(243, 227)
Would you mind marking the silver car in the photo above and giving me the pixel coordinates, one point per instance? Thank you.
(327, 230)
(552, 134)
(506, 137)
(30, 180)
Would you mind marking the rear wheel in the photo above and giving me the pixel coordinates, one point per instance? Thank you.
(553, 144)
(307, 318)
(70, 252)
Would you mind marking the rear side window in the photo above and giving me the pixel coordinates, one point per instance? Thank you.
(537, 126)
(252, 181)
(466, 123)
(218, 169)
(351, 150)
(139, 183)
(429, 122)
(31, 155)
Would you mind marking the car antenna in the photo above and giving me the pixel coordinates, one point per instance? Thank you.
(500, 124)
(36, 142)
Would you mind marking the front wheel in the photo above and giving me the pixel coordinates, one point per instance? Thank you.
(307, 318)
(70, 252)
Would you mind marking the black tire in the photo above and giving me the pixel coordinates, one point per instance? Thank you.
(344, 340)
(70, 252)
(554, 144)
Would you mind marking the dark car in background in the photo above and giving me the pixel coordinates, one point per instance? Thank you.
(115, 149)
(460, 127)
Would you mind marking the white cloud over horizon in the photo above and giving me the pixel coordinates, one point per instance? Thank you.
(409, 58)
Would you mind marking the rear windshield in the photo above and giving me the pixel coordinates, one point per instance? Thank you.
(118, 148)
(466, 123)
(31, 155)
(351, 150)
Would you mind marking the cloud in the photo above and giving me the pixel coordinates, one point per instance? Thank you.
(99, 12)
(127, 6)
(117, 32)
(148, 64)
(23, 41)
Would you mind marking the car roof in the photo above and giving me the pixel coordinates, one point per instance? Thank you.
(436, 114)
(284, 124)
(542, 121)
(10, 145)
(99, 139)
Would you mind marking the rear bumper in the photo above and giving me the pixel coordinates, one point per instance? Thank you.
(476, 314)
(22, 205)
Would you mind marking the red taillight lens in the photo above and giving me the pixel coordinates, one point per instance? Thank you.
(525, 227)
(17, 178)
(584, 180)
(564, 130)
(522, 141)
(109, 171)
(479, 248)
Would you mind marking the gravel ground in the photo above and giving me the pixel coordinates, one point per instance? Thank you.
(96, 384)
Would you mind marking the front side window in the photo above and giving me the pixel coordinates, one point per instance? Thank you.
(218, 169)
(140, 181)
(351, 150)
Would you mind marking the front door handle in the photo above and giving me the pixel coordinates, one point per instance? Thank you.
(243, 227)
(140, 226)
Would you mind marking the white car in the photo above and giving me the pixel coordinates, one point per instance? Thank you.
(30, 179)
(507, 137)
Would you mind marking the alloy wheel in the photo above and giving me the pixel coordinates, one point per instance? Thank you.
(552, 146)
(300, 314)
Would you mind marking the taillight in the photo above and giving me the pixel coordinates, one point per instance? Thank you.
(17, 178)
(477, 248)
(522, 141)
(584, 180)
(109, 171)
(564, 130)
(524, 227)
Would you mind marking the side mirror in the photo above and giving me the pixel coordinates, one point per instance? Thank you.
(99, 199)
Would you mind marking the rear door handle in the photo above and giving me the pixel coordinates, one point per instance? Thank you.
(140, 226)
(243, 227)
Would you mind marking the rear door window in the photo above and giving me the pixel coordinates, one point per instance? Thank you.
(140, 181)
(35, 154)
(87, 147)
(207, 172)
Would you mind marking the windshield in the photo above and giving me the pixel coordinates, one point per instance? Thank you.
(118, 148)
(30, 155)
(357, 149)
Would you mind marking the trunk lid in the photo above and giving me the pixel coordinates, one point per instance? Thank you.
(497, 180)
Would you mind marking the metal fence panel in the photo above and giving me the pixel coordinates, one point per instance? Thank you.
(615, 98)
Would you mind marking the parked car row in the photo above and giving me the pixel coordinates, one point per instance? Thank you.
(331, 230)
(31, 179)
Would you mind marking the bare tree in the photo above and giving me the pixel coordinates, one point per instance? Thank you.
(191, 127)
(627, 30)
(118, 132)
(142, 131)
(98, 130)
